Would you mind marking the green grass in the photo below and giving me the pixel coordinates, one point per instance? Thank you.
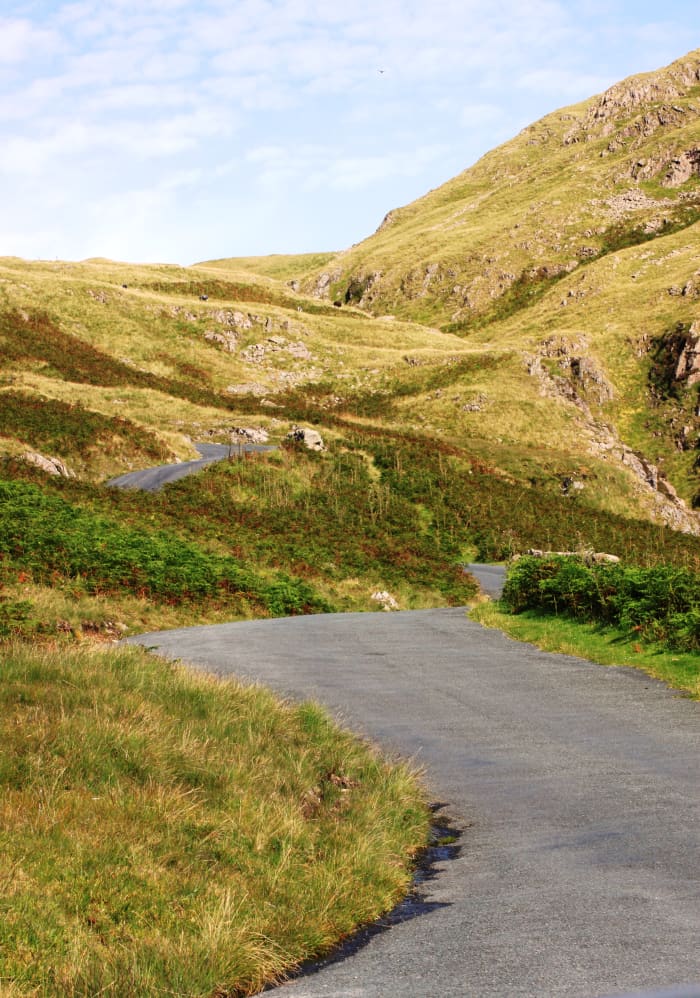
(605, 645)
(162, 832)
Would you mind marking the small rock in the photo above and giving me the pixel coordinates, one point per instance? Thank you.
(386, 599)
(51, 465)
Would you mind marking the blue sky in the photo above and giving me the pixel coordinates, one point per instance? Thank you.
(176, 131)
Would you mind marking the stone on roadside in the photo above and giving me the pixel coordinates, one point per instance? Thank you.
(311, 439)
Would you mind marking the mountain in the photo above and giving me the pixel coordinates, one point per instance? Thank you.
(615, 171)
(571, 252)
(512, 361)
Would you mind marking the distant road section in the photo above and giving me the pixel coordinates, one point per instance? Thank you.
(491, 578)
(153, 479)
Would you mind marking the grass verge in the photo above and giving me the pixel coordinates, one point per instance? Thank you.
(605, 645)
(163, 832)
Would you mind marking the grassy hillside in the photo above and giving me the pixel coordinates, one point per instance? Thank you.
(585, 181)
(511, 362)
(558, 398)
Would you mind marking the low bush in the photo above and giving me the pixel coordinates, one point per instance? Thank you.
(13, 613)
(660, 604)
(49, 538)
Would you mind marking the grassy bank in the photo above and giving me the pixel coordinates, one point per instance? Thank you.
(597, 643)
(166, 833)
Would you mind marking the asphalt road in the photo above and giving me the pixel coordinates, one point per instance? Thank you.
(490, 577)
(153, 479)
(577, 785)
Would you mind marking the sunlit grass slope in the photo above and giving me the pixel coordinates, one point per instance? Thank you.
(167, 833)
(578, 184)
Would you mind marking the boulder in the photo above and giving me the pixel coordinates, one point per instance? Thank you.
(51, 465)
(311, 439)
(249, 434)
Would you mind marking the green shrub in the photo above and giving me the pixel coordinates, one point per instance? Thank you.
(50, 539)
(659, 604)
(13, 613)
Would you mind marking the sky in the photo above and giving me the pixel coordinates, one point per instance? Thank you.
(176, 131)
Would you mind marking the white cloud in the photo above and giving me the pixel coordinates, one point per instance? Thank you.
(145, 103)
(20, 39)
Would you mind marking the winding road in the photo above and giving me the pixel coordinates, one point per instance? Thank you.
(153, 479)
(576, 785)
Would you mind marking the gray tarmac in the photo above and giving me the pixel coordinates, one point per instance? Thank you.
(153, 479)
(576, 787)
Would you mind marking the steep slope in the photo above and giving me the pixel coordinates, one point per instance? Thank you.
(614, 171)
(572, 254)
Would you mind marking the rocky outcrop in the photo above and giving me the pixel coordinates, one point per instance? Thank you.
(256, 353)
(659, 91)
(676, 360)
(682, 167)
(363, 289)
(667, 504)
(228, 339)
(311, 439)
(51, 465)
(565, 370)
(322, 285)
(688, 364)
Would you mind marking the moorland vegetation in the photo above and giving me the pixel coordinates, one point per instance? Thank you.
(511, 362)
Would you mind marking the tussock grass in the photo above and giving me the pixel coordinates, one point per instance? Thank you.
(162, 831)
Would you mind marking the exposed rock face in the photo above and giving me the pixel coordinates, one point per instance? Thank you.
(682, 168)
(668, 505)
(688, 366)
(574, 376)
(363, 289)
(676, 358)
(311, 439)
(51, 465)
(321, 288)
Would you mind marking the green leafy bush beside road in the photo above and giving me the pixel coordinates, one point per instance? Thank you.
(48, 538)
(660, 604)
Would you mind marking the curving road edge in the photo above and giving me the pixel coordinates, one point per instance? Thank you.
(153, 479)
(577, 784)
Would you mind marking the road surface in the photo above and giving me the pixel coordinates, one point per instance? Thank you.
(153, 479)
(577, 786)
